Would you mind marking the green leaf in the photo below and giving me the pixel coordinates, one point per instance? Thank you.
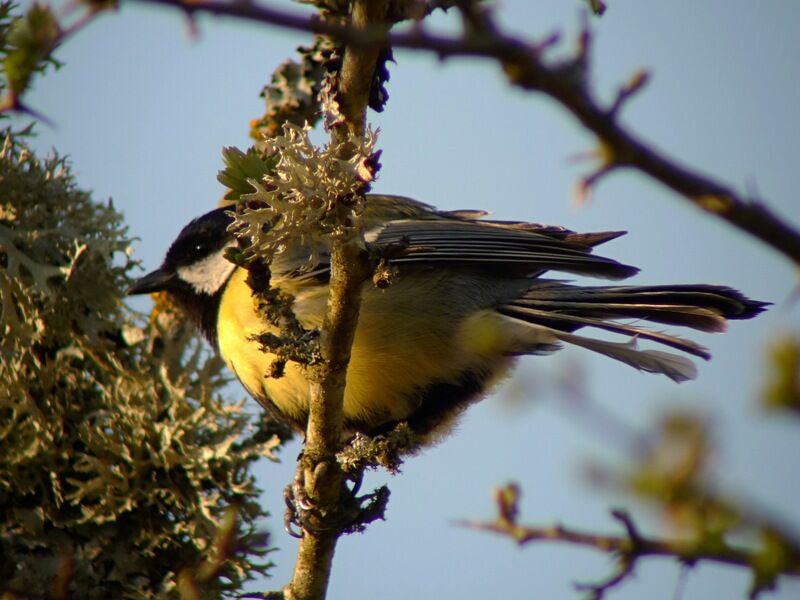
(241, 168)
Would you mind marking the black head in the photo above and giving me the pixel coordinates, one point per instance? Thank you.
(195, 269)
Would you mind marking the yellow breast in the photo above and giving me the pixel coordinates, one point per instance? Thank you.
(402, 344)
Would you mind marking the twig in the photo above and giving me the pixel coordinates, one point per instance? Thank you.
(627, 91)
(12, 100)
(628, 548)
(633, 548)
(565, 81)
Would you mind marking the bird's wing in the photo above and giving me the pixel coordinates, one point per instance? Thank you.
(423, 236)
(522, 248)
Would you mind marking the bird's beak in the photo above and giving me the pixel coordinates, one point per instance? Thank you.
(156, 281)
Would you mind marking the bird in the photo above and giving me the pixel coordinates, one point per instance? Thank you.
(469, 296)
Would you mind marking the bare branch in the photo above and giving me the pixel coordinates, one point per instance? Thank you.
(565, 81)
(629, 548)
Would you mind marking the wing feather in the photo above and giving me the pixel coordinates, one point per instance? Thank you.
(496, 245)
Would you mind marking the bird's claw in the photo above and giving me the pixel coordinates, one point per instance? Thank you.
(352, 512)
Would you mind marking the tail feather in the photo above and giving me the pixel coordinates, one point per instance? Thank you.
(703, 319)
(561, 309)
(703, 307)
(559, 321)
(674, 366)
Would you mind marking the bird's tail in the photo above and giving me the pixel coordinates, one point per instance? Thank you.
(562, 309)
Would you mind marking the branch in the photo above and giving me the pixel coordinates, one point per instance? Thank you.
(670, 470)
(319, 477)
(628, 548)
(32, 39)
(566, 82)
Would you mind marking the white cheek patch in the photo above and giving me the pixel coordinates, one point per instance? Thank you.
(207, 276)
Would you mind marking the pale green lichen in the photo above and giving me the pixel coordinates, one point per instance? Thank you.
(294, 87)
(118, 455)
(312, 194)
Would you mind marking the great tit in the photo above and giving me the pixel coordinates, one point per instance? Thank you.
(467, 299)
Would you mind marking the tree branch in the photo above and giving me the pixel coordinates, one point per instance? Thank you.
(566, 82)
(320, 478)
(628, 548)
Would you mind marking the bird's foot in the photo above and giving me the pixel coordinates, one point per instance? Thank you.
(347, 514)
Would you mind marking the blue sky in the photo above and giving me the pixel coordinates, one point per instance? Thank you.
(143, 111)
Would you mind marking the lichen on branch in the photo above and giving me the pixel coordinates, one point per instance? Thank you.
(295, 209)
